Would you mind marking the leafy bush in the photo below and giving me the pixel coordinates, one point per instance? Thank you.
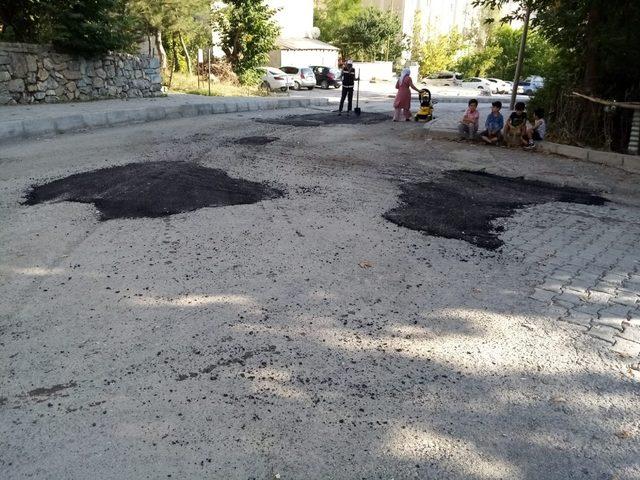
(251, 77)
(87, 27)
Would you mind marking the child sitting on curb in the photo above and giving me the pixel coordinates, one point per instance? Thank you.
(468, 126)
(516, 126)
(493, 125)
(538, 130)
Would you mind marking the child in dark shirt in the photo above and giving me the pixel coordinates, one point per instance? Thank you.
(517, 124)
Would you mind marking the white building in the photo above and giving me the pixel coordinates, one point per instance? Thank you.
(439, 17)
(298, 43)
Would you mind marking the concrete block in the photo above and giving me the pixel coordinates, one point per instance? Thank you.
(218, 108)
(188, 110)
(578, 318)
(631, 163)
(626, 349)
(571, 151)
(155, 113)
(119, 117)
(230, 106)
(243, 105)
(542, 295)
(264, 105)
(98, 119)
(11, 130)
(631, 333)
(38, 126)
(204, 108)
(604, 158)
(172, 112)
(69, 123)
(607, 334)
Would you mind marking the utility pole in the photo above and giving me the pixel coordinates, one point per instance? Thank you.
(523, 43)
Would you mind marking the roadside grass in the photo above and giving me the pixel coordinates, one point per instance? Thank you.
(185, 83)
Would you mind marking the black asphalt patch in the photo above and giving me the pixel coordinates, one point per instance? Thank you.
(320, 119)
(152, 189)
(255, 140)
(463, 204)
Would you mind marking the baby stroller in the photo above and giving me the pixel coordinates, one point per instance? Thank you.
(425, 112)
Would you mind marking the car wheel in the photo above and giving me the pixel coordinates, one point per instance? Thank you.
(309, 88)
(529, 92)
(324, 84)
(265, 86)
(284, 89)
(296, 86)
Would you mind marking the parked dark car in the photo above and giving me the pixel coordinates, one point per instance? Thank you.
(326, 76)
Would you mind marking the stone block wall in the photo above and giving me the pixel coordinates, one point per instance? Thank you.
(37, 73)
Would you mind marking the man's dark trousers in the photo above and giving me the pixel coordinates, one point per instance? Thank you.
(346, 91)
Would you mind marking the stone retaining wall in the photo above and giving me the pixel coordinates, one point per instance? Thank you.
(37, 73)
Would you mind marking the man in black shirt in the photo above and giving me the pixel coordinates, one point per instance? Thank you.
(348, 79)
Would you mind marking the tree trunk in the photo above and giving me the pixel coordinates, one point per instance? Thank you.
(523, 44)
(186, 52)
(161, 53)
(590, 80)
(174, 51)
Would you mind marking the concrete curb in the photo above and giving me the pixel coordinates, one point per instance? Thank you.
(18, 129)
(628, 163)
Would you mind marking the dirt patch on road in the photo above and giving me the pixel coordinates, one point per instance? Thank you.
(463, 204)
(329, 118)
(152, 189)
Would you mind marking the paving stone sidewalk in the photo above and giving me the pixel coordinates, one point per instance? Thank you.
(584, 268)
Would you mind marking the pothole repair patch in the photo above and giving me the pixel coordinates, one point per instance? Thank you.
(463, 204)
(255, 140)
(319, 119)
(152, 189)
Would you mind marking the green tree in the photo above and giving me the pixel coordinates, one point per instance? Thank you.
(331, 17)
(440, 52)
(416, 37)
(373, 34)
(87, 27)
(173, 19)
(24, 21)
(92, 27)
(498, 57)
(248, 33)
(479, 63)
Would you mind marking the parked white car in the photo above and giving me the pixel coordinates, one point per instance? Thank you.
(499, 86)
(477, 82)
(443, 79)
(275, 79)
(303, 77)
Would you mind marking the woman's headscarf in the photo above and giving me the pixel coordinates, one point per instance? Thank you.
(405, 73)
